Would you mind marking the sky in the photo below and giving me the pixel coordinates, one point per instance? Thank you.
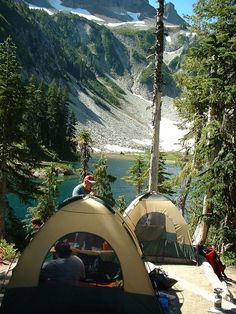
(181, 6)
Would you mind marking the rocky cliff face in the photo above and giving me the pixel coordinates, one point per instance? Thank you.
(171, 15)
(113, 10)
(89, 57)
(117, 9)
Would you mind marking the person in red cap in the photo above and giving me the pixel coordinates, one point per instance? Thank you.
(86, 187)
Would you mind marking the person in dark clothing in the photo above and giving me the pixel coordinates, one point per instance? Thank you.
(36, 224)
(86, 187)
(66, 268)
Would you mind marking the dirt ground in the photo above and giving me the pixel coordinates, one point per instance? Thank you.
(192, 294)
(194, 289)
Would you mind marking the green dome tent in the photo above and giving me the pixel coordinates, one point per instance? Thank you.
(92, 219)
(160, 229)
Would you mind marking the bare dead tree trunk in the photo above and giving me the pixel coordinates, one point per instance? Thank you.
(201, 232)
(182, 199)
(154, 162)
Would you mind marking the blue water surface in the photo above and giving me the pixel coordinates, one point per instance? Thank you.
(116, 167)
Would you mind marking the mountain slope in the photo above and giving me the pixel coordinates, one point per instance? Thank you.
(104, 67)
(104, 10)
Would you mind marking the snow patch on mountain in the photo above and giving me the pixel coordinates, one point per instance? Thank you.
(34, 7)
(134, 16)
(126, 129)
(170, 136)
(56, 5)
(88, 16)
(134, 23)
(121, 149)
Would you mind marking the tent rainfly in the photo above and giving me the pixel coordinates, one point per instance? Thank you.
(89, 216)
(161, 229)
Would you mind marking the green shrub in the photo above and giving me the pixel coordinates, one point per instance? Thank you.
(100, 90)
(116, 88)
(173, 156)
(174, 64)
(138, 57)
(9, 250)
(181, 39)
(16, 231)
(143, 39)
(146, 76)
(229, 258)
(101, 103)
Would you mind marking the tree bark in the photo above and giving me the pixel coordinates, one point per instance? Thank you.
(181, 201)
(201, 232)
(154, 161)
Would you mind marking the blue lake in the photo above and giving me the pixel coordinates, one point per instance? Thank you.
(116, 167)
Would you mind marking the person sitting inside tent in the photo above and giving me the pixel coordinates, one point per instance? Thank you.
(213, 258)
(66, 268)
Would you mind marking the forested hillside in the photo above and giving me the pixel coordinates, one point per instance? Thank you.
(60, 72)
(102, 68)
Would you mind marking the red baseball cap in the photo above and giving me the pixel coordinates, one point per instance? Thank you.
(90, 179)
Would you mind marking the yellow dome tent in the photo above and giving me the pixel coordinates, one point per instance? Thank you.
(86, 216)
(160, 228)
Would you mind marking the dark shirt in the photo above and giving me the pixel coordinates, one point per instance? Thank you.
(80, 190)
(67, 270)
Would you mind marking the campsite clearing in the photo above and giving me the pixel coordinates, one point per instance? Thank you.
(160, 228)
(194, 288)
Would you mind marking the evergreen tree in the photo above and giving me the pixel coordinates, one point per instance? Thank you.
(42, 116)
(208, 104)
(16, 159)
(31, 114)
(139, 174)
(62, 122)
(85, 144)
(164, 176)
(53, 114)
(46, 206)
(121, 204)
(71, 131)
(32, 118)
(16, 231)
(61, 125)
(184, 179)
(103, 181)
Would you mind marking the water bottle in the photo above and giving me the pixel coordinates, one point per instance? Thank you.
(217, 298)
(164, 303)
